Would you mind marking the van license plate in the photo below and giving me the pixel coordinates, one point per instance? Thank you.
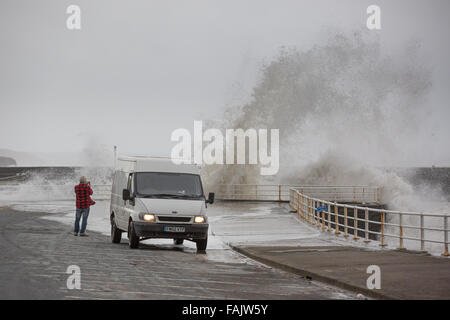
(174, 229)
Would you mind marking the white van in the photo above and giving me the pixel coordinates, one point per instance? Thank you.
(155, 198)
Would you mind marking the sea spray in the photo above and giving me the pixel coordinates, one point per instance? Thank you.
(343, 108)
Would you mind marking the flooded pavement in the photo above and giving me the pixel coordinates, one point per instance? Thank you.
(37, 248)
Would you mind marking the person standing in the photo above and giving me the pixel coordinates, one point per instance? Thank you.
(83, 193)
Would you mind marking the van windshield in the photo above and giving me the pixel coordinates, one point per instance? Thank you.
(168, 185)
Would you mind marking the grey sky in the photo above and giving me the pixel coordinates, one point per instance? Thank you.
(140, 69)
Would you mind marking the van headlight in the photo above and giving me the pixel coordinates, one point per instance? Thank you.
(199, 219)
(148, 217)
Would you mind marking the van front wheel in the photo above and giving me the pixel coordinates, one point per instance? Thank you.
(201, 244)
(133, 239)
(116, 234)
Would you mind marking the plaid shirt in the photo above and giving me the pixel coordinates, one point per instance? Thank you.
(83, 192)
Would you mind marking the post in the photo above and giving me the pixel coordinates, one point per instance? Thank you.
(115, 156)
(345, 223)
(401, 231)
(279, 192)
(317, 214)
(308, 206)
(323, 218)
(366, 240)
(298, 203)
(336, 219)
(446, 254)
(355, 223)
(303, 205)
(308, 217)
(305, 213)
(382, 244)
(329, 217)
(422, 234)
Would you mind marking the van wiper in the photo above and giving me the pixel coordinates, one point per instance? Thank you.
(194, 196)
(169, 195)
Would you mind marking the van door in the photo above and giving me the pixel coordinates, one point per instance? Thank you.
(120, 204)
(129, 204)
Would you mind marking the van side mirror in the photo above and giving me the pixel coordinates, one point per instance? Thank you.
(126, 194)
(210, 198)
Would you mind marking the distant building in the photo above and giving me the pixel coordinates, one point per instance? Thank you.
(7, 162)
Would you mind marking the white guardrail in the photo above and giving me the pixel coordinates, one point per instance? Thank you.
(329, 215)
(44, 192)
(281, 192)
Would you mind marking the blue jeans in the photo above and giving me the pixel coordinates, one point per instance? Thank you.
(78, 213)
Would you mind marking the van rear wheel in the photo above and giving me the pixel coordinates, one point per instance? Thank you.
(201, 244)
(116, 234)
(133, 239)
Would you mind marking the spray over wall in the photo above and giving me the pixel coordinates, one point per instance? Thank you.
(344, 109)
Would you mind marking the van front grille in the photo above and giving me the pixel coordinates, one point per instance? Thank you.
(174, 219)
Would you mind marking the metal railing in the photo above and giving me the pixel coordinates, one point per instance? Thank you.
(253, 192)
(333, 216)
(280, 192)
(34, 192)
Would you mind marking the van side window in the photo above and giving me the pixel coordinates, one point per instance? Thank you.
(130, 184)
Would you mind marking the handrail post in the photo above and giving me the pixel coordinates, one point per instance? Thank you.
(298, 204)
(366, 218)
(300, 196)
(345, 223)
(422, 234)
(336, 232)
(446, 254)
(323, 218)
(279, 192)
(401, 231)
(355, 223)
(307, 215)
(304, 206)
(317, 204)
(382, 244)
(308, 206)
(316, 214)
(329, 217)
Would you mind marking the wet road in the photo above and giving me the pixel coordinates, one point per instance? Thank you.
(35, 254)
